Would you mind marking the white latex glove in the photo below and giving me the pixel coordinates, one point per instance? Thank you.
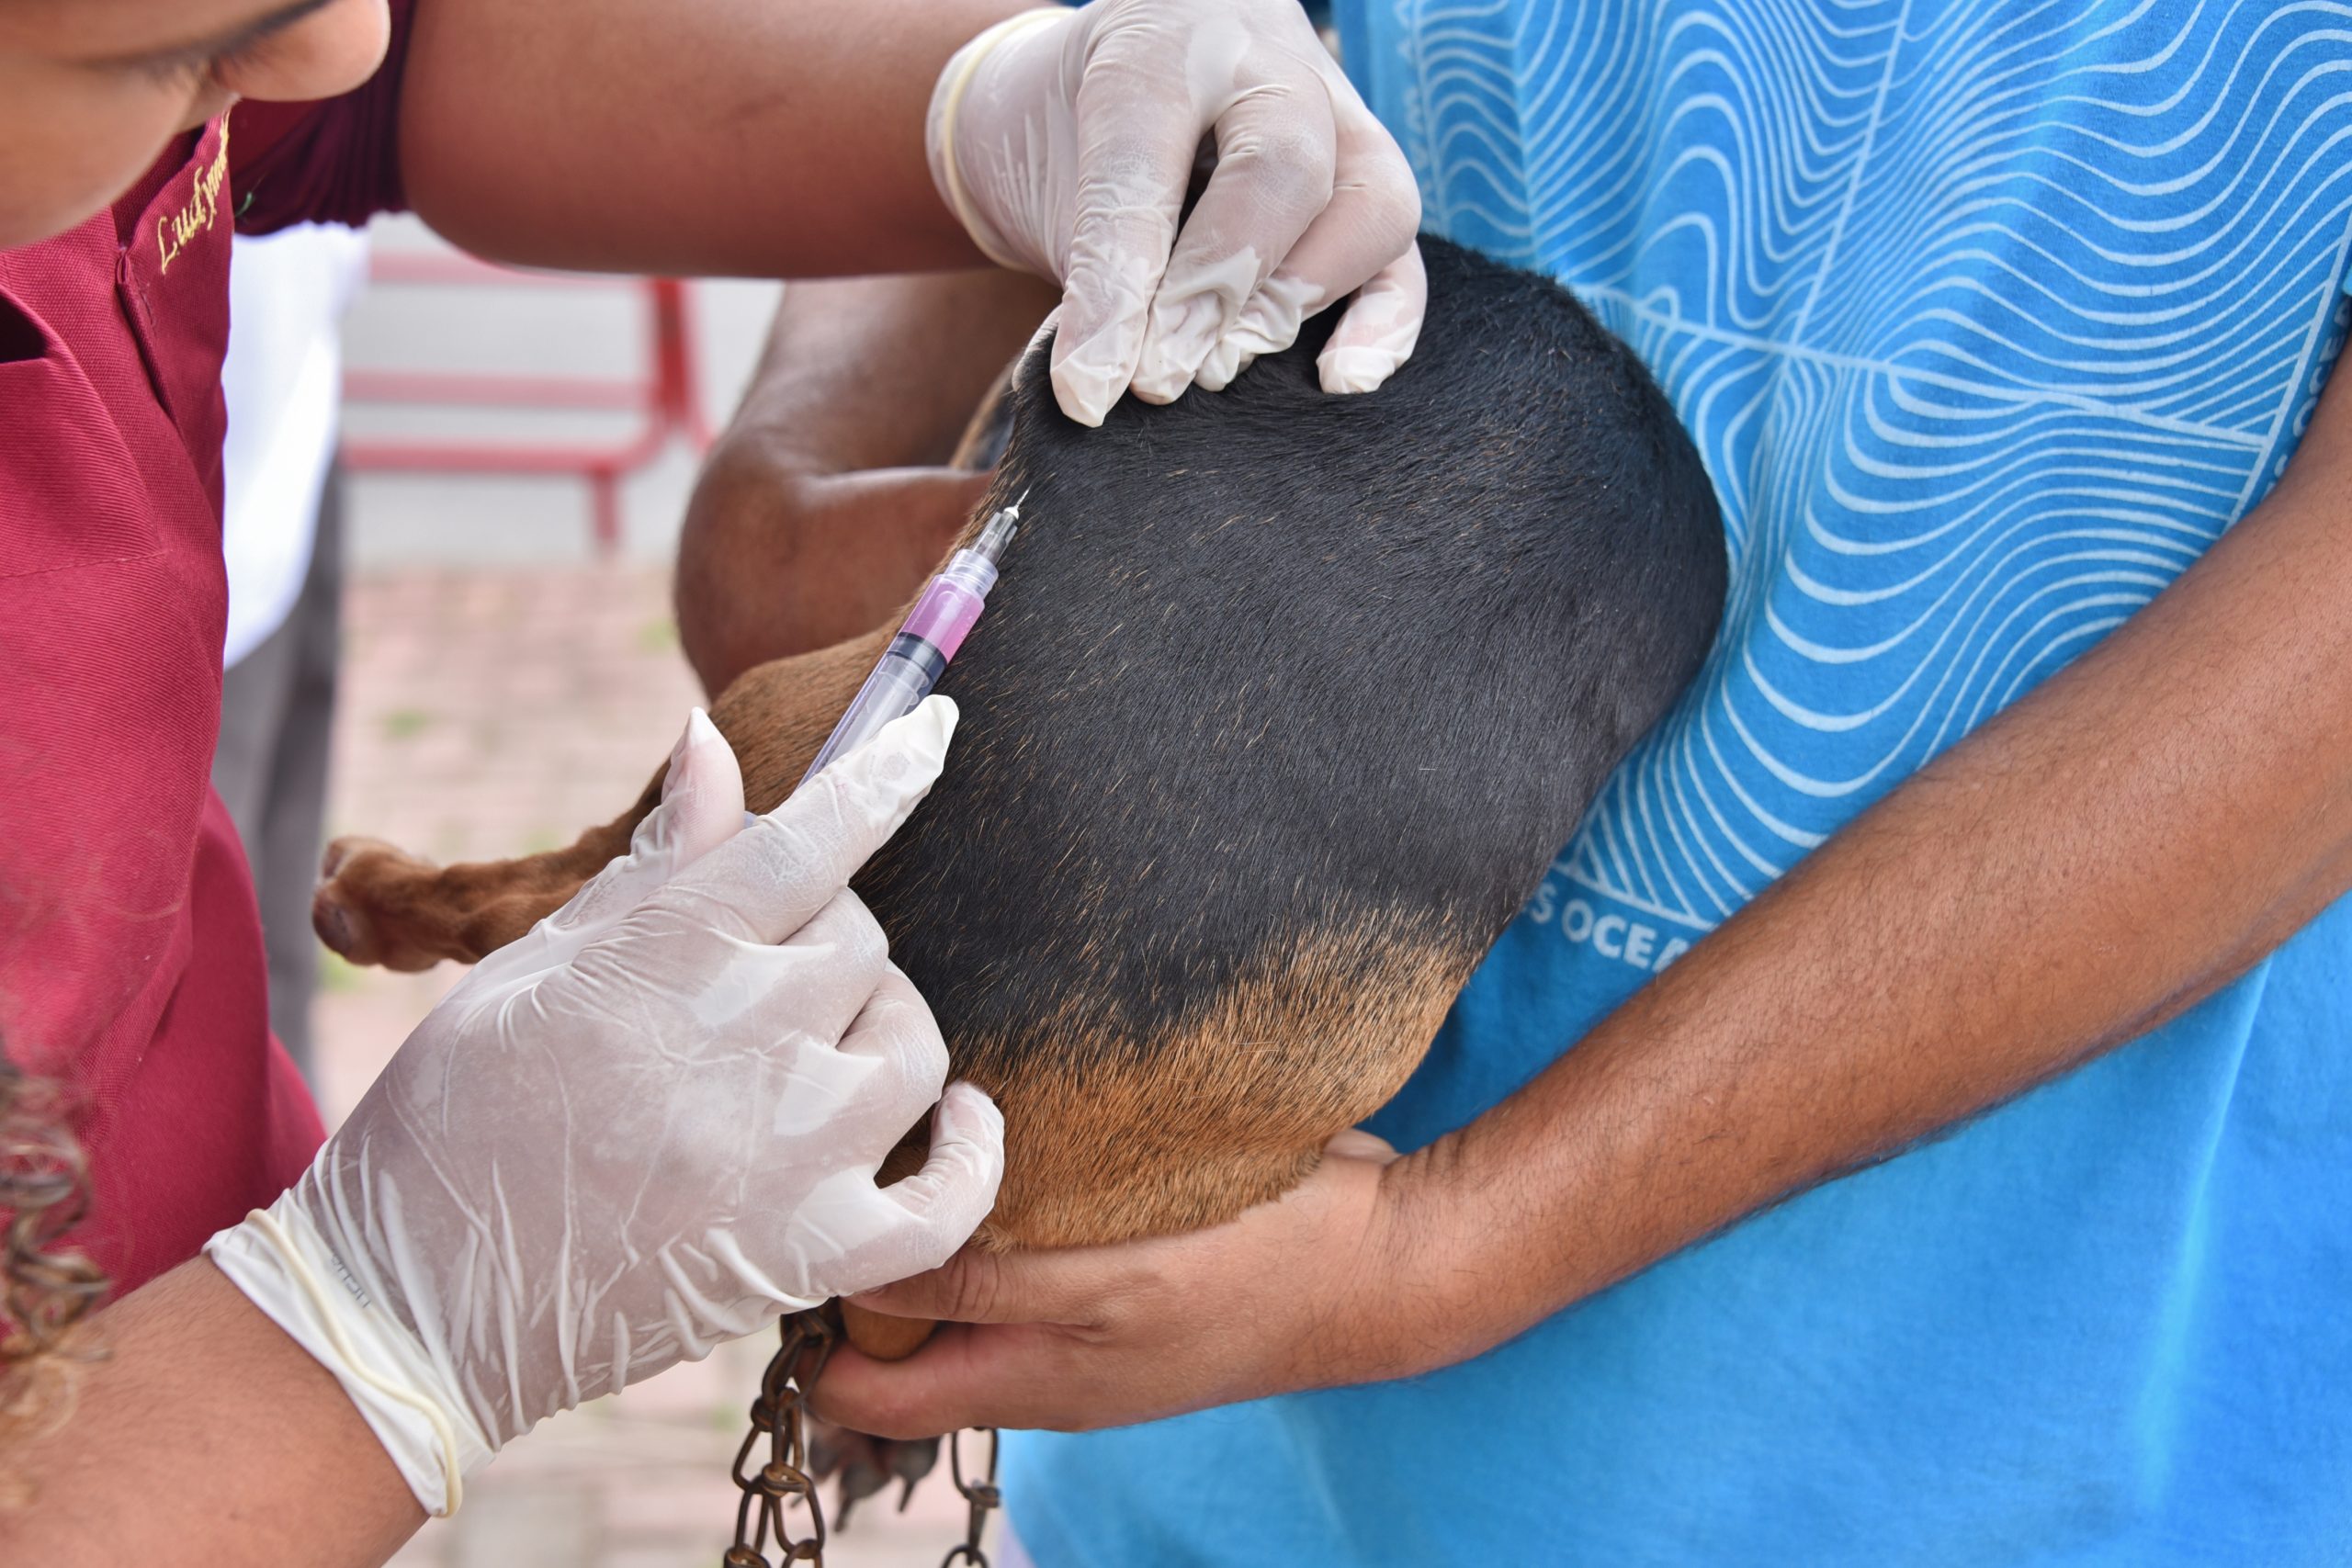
(651, 1124)
(1064, 139)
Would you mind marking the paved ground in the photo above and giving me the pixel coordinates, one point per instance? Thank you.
(502, 693)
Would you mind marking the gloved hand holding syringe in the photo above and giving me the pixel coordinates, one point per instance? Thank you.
(707, 1055)
(651, 1124)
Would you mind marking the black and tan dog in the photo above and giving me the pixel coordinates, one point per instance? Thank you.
(1282, 705)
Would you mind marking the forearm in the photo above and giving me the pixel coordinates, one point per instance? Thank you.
(863, 373)
(2118, 845)
(826, 502)
(776, 563)
(204, 1435)
(713, 137)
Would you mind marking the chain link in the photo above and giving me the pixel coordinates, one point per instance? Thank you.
(981, 1496)
(781, 1415)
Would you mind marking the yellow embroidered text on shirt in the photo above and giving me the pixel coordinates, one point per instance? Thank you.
(174, 231)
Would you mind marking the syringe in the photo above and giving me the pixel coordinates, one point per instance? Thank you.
(934, 630)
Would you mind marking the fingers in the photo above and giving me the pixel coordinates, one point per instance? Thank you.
(1064, 142)
(947, 1199)
(1136, 142)
(702, 795)
(1357, 1143)
(809, 994)
(889, 1058)
(946, 1385)
(1276, 154)
(701, 807)
(1369, 224)
(1311, 200)
(772, 876)
(1379, 330)
(917, 1223)
(1069, 1286)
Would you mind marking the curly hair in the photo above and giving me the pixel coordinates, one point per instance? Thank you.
(45, 1290)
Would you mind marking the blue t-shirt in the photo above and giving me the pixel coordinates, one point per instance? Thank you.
(1987, 317)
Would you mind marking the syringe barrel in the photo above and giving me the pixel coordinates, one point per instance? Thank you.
(951, 602)
(927, 638)
(898, 683)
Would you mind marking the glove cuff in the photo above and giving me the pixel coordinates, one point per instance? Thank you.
(282, 1263)
(946, 102)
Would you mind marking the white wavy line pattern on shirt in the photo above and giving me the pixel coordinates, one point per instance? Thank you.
(1989, 317)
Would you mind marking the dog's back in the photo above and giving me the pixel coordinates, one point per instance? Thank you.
(1282, 708)
(1282, 705)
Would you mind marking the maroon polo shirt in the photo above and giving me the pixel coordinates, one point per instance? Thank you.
(131, 952)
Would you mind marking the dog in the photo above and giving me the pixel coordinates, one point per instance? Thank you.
(1282, 705)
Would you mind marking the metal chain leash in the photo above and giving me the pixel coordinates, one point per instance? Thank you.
(781, 1414)
(981, 1496)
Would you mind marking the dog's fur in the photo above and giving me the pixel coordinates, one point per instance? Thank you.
(1282, 707)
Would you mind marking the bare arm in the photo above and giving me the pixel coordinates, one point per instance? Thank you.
(235, 1447)
(737, 136)
(2118, 844)
(826, 502)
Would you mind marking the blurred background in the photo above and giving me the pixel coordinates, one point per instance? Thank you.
(509, 676)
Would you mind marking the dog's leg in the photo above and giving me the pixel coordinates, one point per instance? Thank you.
(378, 905)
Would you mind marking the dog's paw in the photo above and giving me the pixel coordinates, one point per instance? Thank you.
(883, 1337)
(373, 904)
(864, 1465)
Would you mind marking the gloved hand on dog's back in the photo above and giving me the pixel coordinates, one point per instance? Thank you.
(651, 1124)
(1064, 140)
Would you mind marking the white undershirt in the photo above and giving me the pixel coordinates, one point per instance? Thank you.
(283, 381)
